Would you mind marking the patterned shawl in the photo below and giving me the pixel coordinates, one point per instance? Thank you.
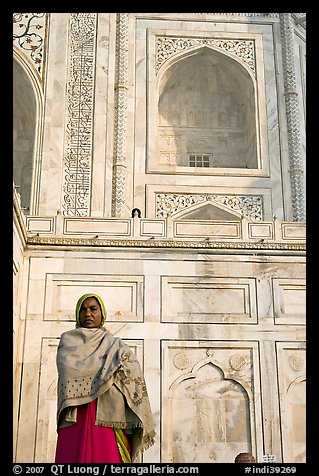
(94, 364)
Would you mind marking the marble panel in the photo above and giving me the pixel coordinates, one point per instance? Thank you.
(35, 296)
(27, 420)
(289, 300)
(203, 228)
(262, 230)
(292, 395)
(41, 224)
(106, 227)
(203, 299)
(293, 231)
(200, 187)
(152, 227)
(54, 120)
(210, 398)
(102, 110)
(123, 295)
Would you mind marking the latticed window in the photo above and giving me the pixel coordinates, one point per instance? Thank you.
(199, 160)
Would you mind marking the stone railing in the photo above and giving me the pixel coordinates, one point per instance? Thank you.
(88, 231)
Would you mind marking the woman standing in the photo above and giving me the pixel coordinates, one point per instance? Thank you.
(103, 409)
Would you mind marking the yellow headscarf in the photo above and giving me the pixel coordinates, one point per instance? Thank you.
(79, 304)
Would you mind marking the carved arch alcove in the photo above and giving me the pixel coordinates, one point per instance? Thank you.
(27, 117)
(210, 414)
(206, 114)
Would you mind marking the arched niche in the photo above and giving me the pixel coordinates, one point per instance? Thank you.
(25, 121)
(207, 113)
(209, 417)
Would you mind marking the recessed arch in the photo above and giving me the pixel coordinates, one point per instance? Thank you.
(27, 118)
(206, 112)
(214, 412)
(166, 67)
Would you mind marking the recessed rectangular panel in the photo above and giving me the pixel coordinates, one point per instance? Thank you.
(152, 227)
(293, 231)
(264, 230)
(203, 229)
(89, 226)
(122, 295)
(289, 300)
(40, 224)
(202, 299)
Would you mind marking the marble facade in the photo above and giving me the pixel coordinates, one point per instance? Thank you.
(208, 285)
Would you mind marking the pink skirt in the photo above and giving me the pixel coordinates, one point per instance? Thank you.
(85, 442)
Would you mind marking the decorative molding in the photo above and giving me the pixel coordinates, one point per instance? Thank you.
(167, 46)
(120, 118)
(30, 39)
(168, 204)
(165, 243)
(292, 114)
(242, 14)
(79, 126)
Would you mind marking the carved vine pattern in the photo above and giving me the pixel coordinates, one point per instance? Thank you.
(168, 46)
(29, 33)
(170, 204)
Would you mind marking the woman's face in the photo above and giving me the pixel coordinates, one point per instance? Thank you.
(90, 313)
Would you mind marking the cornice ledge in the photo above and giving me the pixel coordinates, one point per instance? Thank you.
(164, 243)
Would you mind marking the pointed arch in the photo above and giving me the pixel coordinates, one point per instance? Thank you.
(206, 112)
(206, 402)
(27, 132)
(183, 54)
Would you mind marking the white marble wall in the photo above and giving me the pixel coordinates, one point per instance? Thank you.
(20, 267)
(215, 310)
(207, 326)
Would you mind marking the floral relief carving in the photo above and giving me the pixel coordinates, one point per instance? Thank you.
(29, 36)
(170, 204)
(166, 47)
(181, 361)
(296, 362)
(237, 361)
